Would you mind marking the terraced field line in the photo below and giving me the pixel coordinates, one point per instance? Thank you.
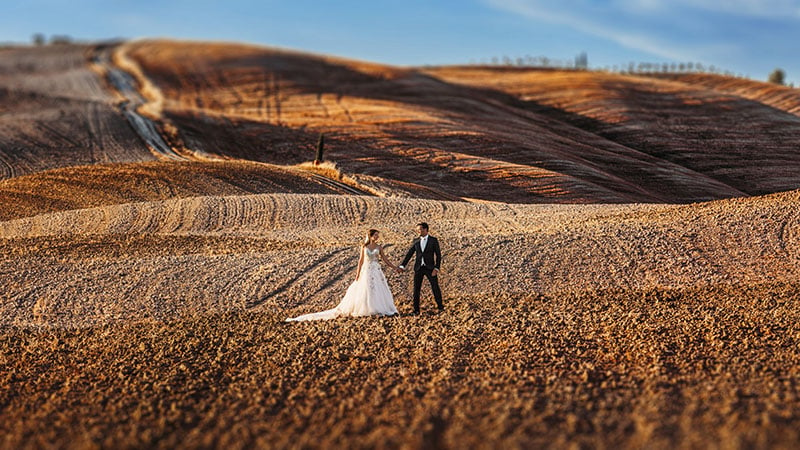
(125, 84)
(6, 169)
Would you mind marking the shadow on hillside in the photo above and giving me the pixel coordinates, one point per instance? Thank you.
(244, 139)
(281, 145)
(742, 143)
(697, 176)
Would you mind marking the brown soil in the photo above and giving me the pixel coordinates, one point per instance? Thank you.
(55, 111)
(106, 184)
(779, 97)
(658, 326)
(693, 368)
(296, 253)
(141, 302)
(734, 133)
(535, 136)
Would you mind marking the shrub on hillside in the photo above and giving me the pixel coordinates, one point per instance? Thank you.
(778, 76)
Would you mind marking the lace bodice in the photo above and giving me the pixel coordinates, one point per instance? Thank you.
(373, 255)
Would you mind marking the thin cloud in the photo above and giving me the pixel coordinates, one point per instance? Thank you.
(674, 30)
(779, 9)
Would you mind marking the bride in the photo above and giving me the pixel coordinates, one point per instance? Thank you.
(369, 294)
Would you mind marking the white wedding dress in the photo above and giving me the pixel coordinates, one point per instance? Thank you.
(369, 295)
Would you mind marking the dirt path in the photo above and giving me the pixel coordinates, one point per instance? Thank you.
(125, 85)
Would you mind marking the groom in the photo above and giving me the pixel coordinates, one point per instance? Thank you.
(426, 264)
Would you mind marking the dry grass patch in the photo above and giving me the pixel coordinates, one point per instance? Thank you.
(328, 169)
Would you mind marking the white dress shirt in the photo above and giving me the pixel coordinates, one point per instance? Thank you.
(423, 242)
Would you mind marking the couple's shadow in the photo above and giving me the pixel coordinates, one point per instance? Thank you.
(319, 261)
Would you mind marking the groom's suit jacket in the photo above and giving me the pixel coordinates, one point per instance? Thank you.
(432, 254)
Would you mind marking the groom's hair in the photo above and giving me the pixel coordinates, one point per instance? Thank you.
(423, 225)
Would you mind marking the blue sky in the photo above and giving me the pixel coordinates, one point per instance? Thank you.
(750, 37)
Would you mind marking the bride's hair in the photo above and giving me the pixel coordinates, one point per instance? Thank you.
(369, 235)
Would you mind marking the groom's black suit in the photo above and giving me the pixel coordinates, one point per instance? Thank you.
(432, 258)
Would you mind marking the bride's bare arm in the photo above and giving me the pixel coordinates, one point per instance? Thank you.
(385, 259)
(360, 261)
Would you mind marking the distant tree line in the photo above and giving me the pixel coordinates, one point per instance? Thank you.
(672, 67)
(56, 39)
(581, 62)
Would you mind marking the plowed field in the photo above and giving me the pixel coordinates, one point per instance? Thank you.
(621, 254)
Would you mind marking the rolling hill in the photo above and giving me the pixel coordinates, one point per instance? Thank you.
(621, 253)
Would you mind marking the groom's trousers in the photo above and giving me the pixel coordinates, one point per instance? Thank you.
(421, 273)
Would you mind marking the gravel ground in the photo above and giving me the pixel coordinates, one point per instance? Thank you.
(597, 326)
(297, 252)
(658, 368)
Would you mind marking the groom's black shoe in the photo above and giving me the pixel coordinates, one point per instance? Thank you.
(415, 313)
